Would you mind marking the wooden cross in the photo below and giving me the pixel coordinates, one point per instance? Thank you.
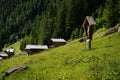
(88, 27)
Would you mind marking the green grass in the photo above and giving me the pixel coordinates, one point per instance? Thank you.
(16, 46)
(70, 62)
(99, 33)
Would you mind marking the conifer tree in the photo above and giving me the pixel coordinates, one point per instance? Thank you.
(109, 14)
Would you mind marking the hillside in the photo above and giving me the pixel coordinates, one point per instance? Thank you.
(25, 22)
(15, 46)
(38, 20)
(70, 62)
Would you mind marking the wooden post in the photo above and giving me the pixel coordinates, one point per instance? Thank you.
(88, 27)
(88, 44)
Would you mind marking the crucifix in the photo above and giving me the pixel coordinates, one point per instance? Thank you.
(88, 28)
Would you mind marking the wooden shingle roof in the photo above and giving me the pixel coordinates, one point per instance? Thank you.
(58, 40)
(10, 50)
(90, 21)
(36, 47)
(3, 54)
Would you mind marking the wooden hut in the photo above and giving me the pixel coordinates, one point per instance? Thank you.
(10, 52)
(55, 42)
(88, 26)
(4, 55)
(31, 49)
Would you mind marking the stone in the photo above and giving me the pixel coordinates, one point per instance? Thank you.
(119, 29)
(88, 44)
(82, 39)
(110, 31)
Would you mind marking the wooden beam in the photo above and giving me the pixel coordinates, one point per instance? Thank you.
(11, 70)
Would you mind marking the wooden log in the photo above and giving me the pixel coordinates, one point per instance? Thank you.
(110, 31)
(11, 70)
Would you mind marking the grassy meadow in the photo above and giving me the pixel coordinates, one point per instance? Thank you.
(70, 62)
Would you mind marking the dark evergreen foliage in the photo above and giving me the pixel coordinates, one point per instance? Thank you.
(40, 20)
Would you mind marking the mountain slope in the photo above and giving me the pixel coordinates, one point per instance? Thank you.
(70, 62)
(40, 20)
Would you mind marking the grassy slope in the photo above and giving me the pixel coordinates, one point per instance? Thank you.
(69, 62)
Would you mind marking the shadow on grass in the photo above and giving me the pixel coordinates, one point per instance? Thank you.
(109, 46)
(90, 49)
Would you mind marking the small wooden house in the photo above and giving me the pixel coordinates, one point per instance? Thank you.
(31, 49)
(4, 55)
(57, 42)
(88, 24)
(10, 52)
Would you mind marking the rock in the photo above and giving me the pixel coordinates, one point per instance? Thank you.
(1, 58)
(88, 44)
(110, 31)
(119, 29)
(82, 39)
